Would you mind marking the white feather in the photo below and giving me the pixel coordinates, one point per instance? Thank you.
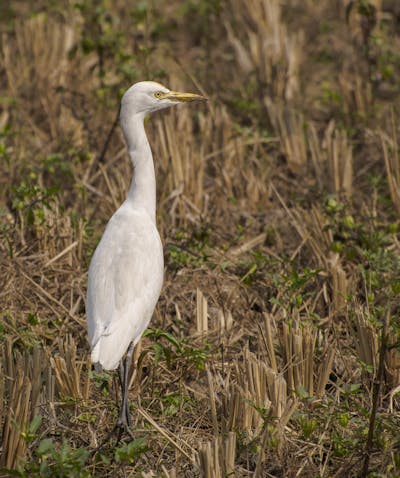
(125, 280)
(126, 270)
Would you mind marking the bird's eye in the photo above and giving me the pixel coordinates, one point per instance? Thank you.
(158, 94)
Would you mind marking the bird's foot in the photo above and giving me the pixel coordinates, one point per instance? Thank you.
(120, 428)
(123, 427)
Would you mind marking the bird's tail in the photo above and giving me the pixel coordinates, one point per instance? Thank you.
(110, 348)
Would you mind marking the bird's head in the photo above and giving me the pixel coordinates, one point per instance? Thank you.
(148, 96)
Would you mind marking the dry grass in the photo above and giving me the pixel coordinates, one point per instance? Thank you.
(278, 209)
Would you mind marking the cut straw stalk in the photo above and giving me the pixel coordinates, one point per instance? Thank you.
(23, 391)
(201, 312)
(392, 163)
(216, 458)
(69, 371)
(167, 435)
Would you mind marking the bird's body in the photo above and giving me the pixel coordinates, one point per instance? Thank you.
(125, 280)
(126, 270)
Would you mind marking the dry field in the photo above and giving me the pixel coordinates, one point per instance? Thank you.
(274, 348)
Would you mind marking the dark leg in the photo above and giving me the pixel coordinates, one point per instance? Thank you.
(120, 425)
(124, 420)
(124, 416)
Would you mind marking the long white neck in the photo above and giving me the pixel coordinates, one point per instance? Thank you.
(142, 192)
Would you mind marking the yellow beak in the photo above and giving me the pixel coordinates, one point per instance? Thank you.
(184, 97)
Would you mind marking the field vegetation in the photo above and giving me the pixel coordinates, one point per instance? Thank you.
(274, 348)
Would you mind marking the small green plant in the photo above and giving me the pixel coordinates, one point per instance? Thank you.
(176, 352)
(103, 34)
(30, 433)
(101, 380)
(32, 200)
(294, 286)
(128, 453)
(174, 402)
(52, 460)
(331, 96)
(189, 250)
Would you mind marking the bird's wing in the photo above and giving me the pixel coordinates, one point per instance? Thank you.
(125, 279)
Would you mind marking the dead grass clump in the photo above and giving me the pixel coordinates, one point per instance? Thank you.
(289, 127)
(264, 48)
(193, 176)
(368, 344)
(392, 364)
(303, 372)
(216, 458)
(356, 92)
(260, 392)
(332, 158)
(24, 390)
(69, 371)
(392, 164)
(339, 283)
(366, 338)
(182, 165)
(36, 63)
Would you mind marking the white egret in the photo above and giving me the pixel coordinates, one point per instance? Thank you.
(126, 270)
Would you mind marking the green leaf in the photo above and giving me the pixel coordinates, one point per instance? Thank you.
(129, 452)
(45, 446)
(35, 424)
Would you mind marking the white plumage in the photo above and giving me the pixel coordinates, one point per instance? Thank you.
(125, 280)
(126, 270)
